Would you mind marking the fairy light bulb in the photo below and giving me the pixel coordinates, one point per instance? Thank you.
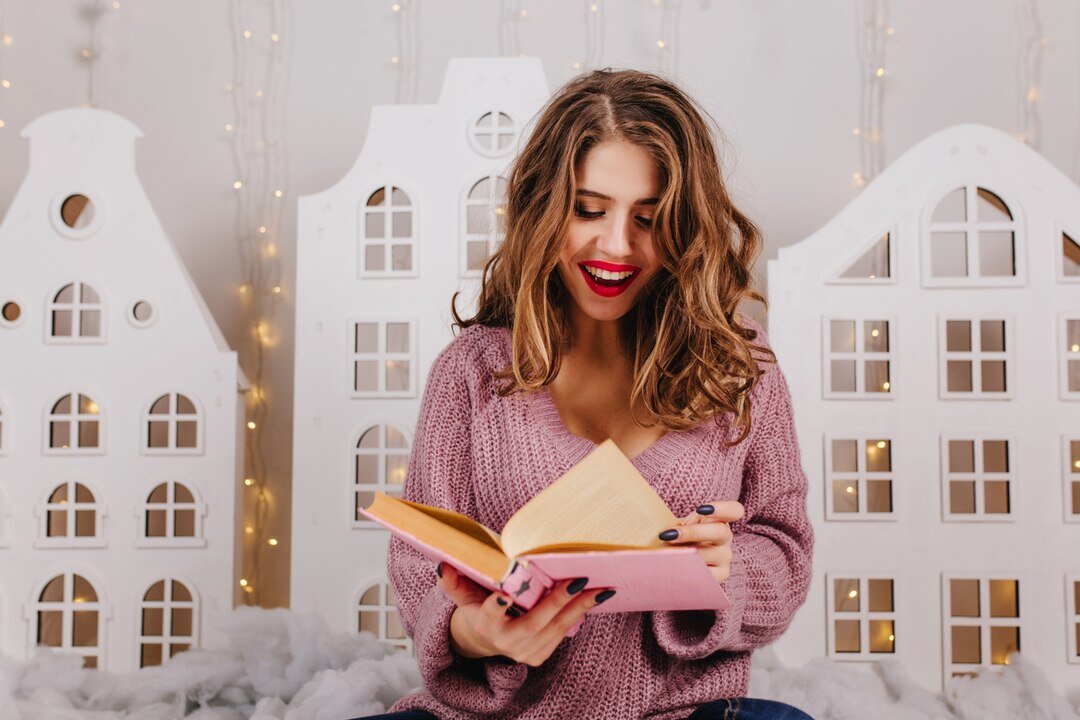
(238, 184)
(660, 44)
(396, 7)
(594, 7)
(850, 490)
(262, 229)
(853, 594)
(243, 582)
(881, 444)
(576, 65)
(247, 34)
(5, 84)
(277, 193)
(875, 332)
(274, 37)
(248, 482)
(1032, 94)
(277, 289)
(886, 385)
(394, 59)
(251, 424)
(880, 72)
(272, 542)
(249, 530)
(228, 127)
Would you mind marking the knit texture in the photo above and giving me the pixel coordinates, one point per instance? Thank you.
(486, 456)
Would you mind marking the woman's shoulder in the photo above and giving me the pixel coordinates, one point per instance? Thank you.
(475, 352)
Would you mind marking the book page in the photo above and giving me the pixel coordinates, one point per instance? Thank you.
(603, 502)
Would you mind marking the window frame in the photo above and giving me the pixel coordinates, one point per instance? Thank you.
(1069, 475)
(74, 307)
(381, 356)
(1072, 619)
(474, 130)
(979, 477)
(170, 507)
(1059, 257)
(75, 418)
(172, 418)
(388, 240)
(860, 355)
(167, 605)
(863, 615)
(70, 507)
(1066, 355)
(976, 356)
(984, 621)
(67, 607)
(383, 485)
(889, 229)
(862, 476)
(57, 220)
(383, 608)
(491, 240)
(971, 227)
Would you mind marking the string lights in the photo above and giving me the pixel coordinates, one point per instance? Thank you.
(1033, 48)
(667, 46)
(872, 32)
(511, 15)
(594, 37)
(255, 131)
(406, 59)
(93, 12)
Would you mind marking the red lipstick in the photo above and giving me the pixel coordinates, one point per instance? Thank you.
(608, 288)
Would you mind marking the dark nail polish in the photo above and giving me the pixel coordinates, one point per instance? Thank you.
(513, 612)
(606, 595)
(438, 569)
(500, 600)
(669, 534)
(705, 509)
(577, 586)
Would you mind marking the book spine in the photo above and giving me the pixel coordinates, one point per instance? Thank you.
(526, 583)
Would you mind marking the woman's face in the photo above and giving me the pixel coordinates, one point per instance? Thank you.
(609, 255)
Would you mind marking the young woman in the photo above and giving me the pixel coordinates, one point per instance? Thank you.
(609, 311)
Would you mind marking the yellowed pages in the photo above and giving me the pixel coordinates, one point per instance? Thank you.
(456, 535)
(602, 501)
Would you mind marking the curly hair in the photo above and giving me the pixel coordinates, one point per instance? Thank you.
(691, 359)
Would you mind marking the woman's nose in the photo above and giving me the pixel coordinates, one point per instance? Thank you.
(614, 238)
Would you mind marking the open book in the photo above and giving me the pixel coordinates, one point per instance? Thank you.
(600, 520)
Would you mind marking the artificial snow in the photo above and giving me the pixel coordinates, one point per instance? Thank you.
(283, 665)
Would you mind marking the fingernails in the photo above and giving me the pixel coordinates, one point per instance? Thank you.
(577, 586)
(606, 595)
(438, 569)
(513, 612)
(669, 534)
(705, 509)
(499, 600)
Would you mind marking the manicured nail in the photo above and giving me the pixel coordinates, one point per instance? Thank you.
(606, 595)
(500, 600)
(705, 509)
(513, 612)
(669, 534)
(438, 569)
(577, 586)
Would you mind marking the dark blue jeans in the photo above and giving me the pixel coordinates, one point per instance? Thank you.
(727, 709)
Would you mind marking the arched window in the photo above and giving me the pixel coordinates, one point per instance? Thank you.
(172, 425)
(381, 459)
(378, 615)
(387, 235)
(483, 219)
(67, 615)
(75, 313)
(71, 516)
(972, 238)
(168, 621)
(493, 133)
(172, 515)
(75, 425)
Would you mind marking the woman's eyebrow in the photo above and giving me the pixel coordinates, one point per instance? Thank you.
(602, 196)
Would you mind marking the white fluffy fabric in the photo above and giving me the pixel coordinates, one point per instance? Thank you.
(281, 665)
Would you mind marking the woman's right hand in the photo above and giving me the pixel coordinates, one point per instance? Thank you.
(480, 626)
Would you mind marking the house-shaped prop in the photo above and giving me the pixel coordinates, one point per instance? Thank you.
(120, 417)
(930, 334)
(379, 256)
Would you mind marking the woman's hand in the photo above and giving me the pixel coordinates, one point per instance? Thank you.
(707, 528)
(481, 627)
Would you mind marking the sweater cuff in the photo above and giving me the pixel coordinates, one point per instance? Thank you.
(695, 634)
(482, 685)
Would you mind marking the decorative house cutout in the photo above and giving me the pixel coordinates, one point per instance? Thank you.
(982, 622)
(365, 340)
(861, 616)
(859, 357)
(168, 621)
(978, 422)
(873, 265)
(859, 478)
(377, 614)
(122, 362)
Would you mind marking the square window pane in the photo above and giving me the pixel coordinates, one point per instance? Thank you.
(962, 497)
(842, 335)
(184, 523)
(1073, 372)
(178, 648)
(401, 258)
(876, 335)
(369, 622)
(402, 224)
(996, 496)
(958, 335)
(367, 338)
(995, 456)
(88, 433)
(59, 434)
(50, 628)
(153, 622)
(1076, 500)
(882, 636)
(397, 337)
(997, 255)
(881, 595)
(964, 598)
(1003, 642)
(959, 376)
(844, 456)
(879, 456)
(375, 225)
(155, 523)
(847, 636)
(61, 323)
(149, 655)
(877, 376)
(367, 469)
(375, 257)
(479, 220)
(394, 629)
(1005, 598)
(363, 500)
(846, 594)
(961, 456)
(90, 323)
(397, 375)
(85, 523)
(158, 434)
(993, 376)
(396, 466)
(948, 254)
(879, 496)
(952, 208)
(181, 622)
(966, 645)
(477, 254)
(992, 335)
(845, 496)
(1076, 597)
(1072, 335)
(186, 434)
(366, 376)
(56, 523)
(843, 375)
(84, 631)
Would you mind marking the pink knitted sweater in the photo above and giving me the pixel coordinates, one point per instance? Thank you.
(485, 456)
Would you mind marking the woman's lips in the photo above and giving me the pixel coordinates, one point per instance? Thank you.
(608, 290)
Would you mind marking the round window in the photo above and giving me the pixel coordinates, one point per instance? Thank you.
(141, 313)
(10, 312)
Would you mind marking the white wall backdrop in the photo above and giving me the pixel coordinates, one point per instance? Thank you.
(781, 78)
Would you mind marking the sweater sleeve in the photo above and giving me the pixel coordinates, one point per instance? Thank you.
(439, 473)
(771, 546)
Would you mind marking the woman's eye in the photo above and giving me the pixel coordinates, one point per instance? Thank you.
(647, 222)
(582, 212)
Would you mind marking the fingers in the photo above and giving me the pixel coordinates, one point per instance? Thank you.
(459, 588)
(560, 595)
(707, 532)
(722, 510)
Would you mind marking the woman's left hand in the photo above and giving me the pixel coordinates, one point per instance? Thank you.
(707, 529)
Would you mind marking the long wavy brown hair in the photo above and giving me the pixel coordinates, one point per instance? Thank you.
(691, 360)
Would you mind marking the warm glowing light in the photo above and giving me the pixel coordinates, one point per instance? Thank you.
(874, 332)
(886, 385)
(881, 444)
(890, 31)
(238, 184)
(660, 43)
(116, 6)
(87, 53)
(229, 87)
(8, 39)
(576, 65)
(396, 7)
(272, 541)
(80, 599)
(873, 277)
(1077, 464)
(394, 59)
(277, 289)
(858, 178)
(5, 83)
(92, 407)
(892, 638)
(248, 482)
(247, 33)
(853, 594)
(277, 193)
(228, 127)
(249, 589)
(274, 37)
(856, 131)
(2, 123)
(249, 530)
(243, 289)
(851, 490)
(251, 424)
(1032, 94)
(524, 13)
(271, 250)
(262, 229)
(258, 93)
(880, 72)
(594, 7)
(1075, 348)
(1044, 41)
(243, 582)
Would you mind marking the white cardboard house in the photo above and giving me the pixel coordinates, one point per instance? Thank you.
(930, 334)
(379, 255)
(120, 418)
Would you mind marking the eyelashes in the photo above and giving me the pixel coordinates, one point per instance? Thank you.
(581, 212)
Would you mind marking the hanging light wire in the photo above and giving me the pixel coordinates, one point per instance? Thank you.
(872, 31)
(1033, 46)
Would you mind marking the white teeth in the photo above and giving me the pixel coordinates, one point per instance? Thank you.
(607, 274)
